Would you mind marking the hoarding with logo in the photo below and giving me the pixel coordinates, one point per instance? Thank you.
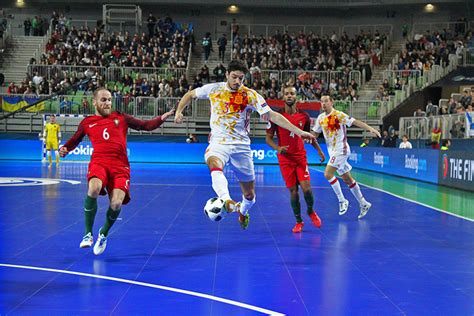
(419, 164)
(456, 169)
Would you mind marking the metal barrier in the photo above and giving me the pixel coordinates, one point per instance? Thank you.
(149, 73)
(353, 30)
(468, 57)
(451, 125)
(59, 71)
(422, 28)
(320, 30)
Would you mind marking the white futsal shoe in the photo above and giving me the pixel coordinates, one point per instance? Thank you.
(100, 244)
(343, 206)
(87, 241)
(364, 208)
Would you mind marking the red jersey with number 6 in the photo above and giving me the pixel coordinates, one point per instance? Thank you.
(286, 138)
(108, 135)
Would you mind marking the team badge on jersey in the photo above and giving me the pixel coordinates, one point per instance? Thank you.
(116, 121)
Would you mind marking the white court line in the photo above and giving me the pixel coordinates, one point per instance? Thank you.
(409, 200)
(160, 287)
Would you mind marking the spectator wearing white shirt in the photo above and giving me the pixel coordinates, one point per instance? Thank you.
(405, 144)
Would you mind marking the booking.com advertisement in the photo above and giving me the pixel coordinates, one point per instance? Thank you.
(419, 164)
(185, 153)
(145, 152)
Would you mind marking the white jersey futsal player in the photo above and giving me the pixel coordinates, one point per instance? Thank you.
(333, 124)
(231, 106)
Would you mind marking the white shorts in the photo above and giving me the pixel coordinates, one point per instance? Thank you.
(238, 156)
(340, 163)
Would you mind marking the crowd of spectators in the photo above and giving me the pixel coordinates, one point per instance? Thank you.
(165, 45)
(422, 52)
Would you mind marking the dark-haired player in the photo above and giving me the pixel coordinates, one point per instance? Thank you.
(109, 169)
(232, 104)
(292, 158)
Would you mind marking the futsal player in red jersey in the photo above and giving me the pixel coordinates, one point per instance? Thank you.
(109, 169)
(292, 158)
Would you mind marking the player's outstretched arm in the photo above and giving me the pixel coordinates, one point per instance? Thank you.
(72, 142)
(280, 120)
(185, 100)
(147, 125)
(366, 127)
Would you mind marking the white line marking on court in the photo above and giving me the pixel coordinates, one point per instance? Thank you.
(409, 200)
(155, 286)
(9, 182)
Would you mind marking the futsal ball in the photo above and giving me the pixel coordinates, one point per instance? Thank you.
(214, 209)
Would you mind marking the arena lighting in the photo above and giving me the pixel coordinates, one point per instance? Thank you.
(233, 9)
(20, 3)
(429, 7)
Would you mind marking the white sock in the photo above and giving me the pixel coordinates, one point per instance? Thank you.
(337, 188)
(246, 205)
(220, 184)
(355, 189)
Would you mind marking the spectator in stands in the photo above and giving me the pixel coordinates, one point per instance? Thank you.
(435, 137)
(27, 27)
(12, 88)
(219, 72)
(431, 109)
(151, 24)
(204, 74)
(466, 98)
(365, 142)
(419, 113)
(458, 130)
(222, 43)
(452, 106)
(445, 144)
(85, 105)
(388, 140)
(207, 45)
(405, 144)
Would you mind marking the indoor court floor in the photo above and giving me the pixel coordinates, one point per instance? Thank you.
(165, 257)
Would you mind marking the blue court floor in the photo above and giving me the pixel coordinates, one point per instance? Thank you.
(164, 257)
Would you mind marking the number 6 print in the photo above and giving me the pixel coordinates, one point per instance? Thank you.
(105, 135)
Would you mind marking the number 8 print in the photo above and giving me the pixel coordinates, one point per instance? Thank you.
(333, 158)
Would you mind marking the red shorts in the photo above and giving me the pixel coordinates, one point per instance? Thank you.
(112, 177)
(294, 170)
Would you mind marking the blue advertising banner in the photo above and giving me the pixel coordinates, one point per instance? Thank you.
(456, 169)
(419, 164)
(144, 152)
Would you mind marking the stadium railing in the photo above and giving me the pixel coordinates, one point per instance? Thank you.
(451, 125)
(421, 28)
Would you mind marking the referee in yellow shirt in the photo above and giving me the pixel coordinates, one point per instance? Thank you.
(52, 136)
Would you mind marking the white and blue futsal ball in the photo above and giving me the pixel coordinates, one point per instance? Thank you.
(214, 209)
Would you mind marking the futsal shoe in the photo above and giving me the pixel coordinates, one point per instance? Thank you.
(343, 206)
(87, 241)
(231, 206)
(315, 219)
(244, 220)
(364, 208)
(100, 244)
(298, 228)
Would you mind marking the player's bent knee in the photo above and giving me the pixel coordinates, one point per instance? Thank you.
(116, 204)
